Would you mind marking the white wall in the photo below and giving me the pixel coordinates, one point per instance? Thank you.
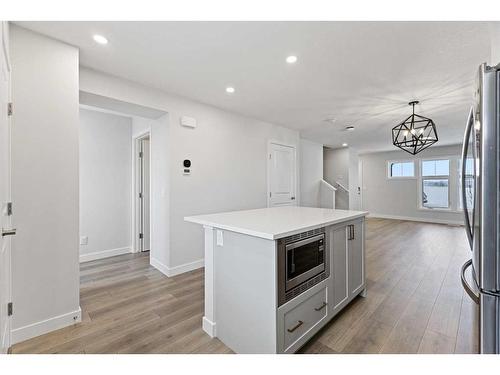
(399, 198)
(229, 162)
(495, 43)
(354, 183)
(140, 126)
(336, 169)
(45, 266)
(311, 172)
(105, 184)
(336, 165)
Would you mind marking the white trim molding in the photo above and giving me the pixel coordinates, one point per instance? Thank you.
(39, 328)
(209, 327)
(104, 254)
(177, 270)
(208, 321)
(419, 219)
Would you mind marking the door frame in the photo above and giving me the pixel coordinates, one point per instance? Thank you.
(8, 290)
(136, 219)
(268, 158)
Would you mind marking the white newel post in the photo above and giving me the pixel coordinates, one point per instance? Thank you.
(209, 318)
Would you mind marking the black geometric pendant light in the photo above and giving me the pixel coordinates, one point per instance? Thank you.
(414, 134)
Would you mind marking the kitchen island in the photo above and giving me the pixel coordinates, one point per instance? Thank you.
(275, 276)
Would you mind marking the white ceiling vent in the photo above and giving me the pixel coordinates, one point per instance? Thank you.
(188, 122)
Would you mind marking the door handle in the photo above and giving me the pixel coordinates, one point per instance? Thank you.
(351, 232)
(8, 232)
(466, 285)
(292, 198)
(468, 224)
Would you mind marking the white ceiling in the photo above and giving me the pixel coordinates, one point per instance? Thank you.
(360, 73)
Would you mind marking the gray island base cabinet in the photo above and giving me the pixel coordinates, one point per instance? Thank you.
(241, 276)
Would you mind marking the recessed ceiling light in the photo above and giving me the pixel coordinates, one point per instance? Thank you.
(230, 90)
(350, 128)
(344, 144)
(100, 39)
(291, 59)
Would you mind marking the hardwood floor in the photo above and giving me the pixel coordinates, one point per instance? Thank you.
(415, 303)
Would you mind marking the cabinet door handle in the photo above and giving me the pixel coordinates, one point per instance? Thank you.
(299, 323)
(352, 229)
(321, 307)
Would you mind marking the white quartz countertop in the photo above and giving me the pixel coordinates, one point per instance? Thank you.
(275, 222)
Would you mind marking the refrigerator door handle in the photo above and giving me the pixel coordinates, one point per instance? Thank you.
(466, 285)
(468, 129)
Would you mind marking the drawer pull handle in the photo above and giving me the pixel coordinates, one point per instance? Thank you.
(321, 307)
(299, 323)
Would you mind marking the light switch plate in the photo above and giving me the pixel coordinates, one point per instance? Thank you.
(84, 240)
(220, 238)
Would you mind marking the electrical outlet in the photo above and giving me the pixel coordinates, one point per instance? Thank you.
(84, 240)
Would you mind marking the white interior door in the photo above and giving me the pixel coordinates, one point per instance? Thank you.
(143, 209)
(282, 172)
(145, 193)
(5, 214)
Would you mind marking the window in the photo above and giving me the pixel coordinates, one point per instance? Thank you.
(469, 183)
(401, 169)
(435, 183)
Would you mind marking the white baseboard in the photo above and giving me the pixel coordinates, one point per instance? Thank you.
(45, 326)
(419, 219)
(209, 327)
(177, 270)
(158, 265)
(104, 254)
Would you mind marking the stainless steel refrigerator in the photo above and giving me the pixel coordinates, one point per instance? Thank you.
(481, 203)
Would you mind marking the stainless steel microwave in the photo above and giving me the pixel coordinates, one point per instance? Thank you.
(302, 263)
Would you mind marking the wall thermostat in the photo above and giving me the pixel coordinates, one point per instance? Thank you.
(186, 164)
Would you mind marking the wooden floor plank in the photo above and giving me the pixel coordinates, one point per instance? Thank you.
(415, 303)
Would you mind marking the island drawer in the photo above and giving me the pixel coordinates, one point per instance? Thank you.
(299, 320)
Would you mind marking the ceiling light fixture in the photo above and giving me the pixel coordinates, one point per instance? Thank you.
(349, 128)
(344, 144)
(100, 39)
(291, 59)
(415, 133)
(230, 90)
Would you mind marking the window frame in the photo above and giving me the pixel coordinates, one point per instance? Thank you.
(388, 169)
(421, 179)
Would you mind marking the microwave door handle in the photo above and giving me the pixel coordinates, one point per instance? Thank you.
(468, 129)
